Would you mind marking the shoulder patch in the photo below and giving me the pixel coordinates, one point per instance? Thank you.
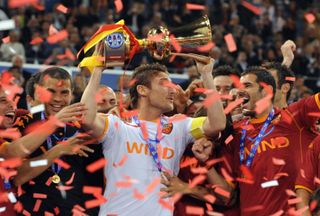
(167, 128)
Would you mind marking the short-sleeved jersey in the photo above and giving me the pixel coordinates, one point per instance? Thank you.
(309, 176)
(126, 140)
(282, 140)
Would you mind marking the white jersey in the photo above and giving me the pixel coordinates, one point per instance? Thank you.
(125, 141)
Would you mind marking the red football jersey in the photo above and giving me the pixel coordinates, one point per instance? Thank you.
(276, 159)
(309, 175)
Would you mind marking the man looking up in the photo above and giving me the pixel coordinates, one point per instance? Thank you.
(152, 95)
(254, 153)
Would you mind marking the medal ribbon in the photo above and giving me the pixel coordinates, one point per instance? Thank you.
(152, 149)
(257, 141)
(49, 145)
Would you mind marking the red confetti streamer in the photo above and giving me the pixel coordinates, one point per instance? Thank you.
(19, 3)
(123, 184)
(277, 161)
(245, 181)
(231, 106)
(170, 84)
(64, 188)
(36, 40)
(310, 17)
(18, 207)
(214, 161)
(313, 205)
(137, 195)
(56, 210)
(210, 198)
(43, 94)
(302, 173)
(70, 181)
(199, 170)
(197, 180)
(194, 210)
(254, 208)
(62, 8)
(207, 47)
(130, 114)
(166, 204)
(175, 43)
(294, 201)
(214, 97)
(48, 213)
(99, 164)
(70, 55)
(290, 192)
(221, 192)
(37, 205)
(122, 161)
(153, 185)
(11, 163)
(315, 114)
(39, 196)
(281, 174)
(229, 139)
(119, 5)
(263, 104)
(188, 162)
(92, 190)
(190, 6)
(254, 9)
(226, 175)
(291, 79)
(52, 39)
(37, 6)
(246, 172)
(95, 203)
(61, 163)
(26, 213)
(200, 90)
(6, 39)
(231, 44)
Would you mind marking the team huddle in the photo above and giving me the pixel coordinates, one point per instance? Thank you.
(228, 144)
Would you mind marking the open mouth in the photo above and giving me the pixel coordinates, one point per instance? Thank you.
(10, 115)
(245, 97)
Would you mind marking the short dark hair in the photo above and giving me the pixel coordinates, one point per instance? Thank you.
(30, 85)
(224, 70)
(282, 72)
(263, 76)
(143, 75)
(56, 73)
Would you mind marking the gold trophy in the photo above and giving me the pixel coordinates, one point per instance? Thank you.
(118, 44)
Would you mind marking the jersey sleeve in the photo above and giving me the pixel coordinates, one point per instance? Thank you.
(113, 125)
(303, 109)
(308, 170)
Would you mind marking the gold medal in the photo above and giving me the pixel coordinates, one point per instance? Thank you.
(56, 179)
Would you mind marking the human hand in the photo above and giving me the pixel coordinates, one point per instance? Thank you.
(173, 185)
(71, 113)
(202, 149)
(75, 145)
(287, 50)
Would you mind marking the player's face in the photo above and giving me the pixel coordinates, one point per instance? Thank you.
(223, 85)
(250, 92)
(161, 94)
(61, 94)
(7, 111)
(108, 101)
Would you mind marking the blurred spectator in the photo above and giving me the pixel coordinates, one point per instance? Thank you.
(13, 47)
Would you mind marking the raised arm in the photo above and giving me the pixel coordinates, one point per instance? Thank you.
(93, 122)
(25, 145)
(71, 147)
(216, 119)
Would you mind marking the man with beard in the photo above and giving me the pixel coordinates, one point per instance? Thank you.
(263, 152)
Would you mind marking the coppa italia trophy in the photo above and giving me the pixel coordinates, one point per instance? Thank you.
(113, 44)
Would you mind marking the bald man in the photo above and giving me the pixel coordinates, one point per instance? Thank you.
(108, 100)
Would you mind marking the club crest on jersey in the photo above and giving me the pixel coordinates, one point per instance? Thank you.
(115, 40)
(167, 128)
